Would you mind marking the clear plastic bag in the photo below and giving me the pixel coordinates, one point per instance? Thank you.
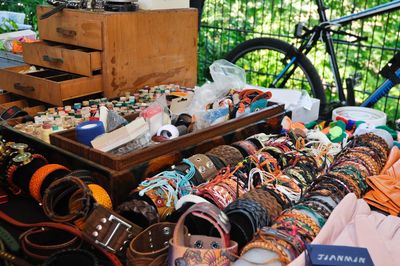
(226, 76)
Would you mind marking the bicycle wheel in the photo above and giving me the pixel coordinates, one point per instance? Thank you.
(264, 58)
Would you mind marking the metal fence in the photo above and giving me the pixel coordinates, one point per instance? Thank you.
(226, 23)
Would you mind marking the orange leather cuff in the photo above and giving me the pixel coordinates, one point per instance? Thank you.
(40, 175)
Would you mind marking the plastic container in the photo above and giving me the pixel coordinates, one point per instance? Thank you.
(368, 115)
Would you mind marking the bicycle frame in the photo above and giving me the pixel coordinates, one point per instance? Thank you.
(324, 31)
(326, 35)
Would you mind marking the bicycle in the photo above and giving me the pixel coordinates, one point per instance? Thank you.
(297, 70)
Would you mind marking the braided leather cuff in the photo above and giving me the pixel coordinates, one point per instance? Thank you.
(227, 154)
(139, 211)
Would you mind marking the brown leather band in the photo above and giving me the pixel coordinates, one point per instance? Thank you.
(40, 243)
(227, 154)
(56, 200)
(204, 166)
(65, 227)
(150, 244)
(108, 229)
(246, 147)
(140, 211)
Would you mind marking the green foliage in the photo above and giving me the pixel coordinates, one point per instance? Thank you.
(226, 23)
(8, 25)
(24, 6)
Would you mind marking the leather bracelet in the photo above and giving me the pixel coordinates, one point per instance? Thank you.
(204, 166)
(185, 168)
(20, 172)
(109, 230)
(293, 240)
(216, 161)
(99, 196)
(42, 178)
(67, 228)
(268, 201)
(13, 259)
(57, 198)
(256, 142)
(247, 148)
(72, 257)
(139, 211)
(41, 243)
(267, 246)
(227, 154)
(150, 244)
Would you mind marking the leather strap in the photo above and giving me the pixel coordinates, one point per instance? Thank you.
(19, 174)
(151, 243)
(210, 213)
(49, 172)
(58, 194)
(67, 228)
(40, 243)
(139, 211)
(247, 148)
(227, 154)
(108, 229)
(72, 257)
(204, 166)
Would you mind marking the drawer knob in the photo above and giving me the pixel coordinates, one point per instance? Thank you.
(54, 60)
(20, 87)
(66, 33)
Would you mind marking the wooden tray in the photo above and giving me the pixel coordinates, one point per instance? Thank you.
(120, 183)
(67, 141)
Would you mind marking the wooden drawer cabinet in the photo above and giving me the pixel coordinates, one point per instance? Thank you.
(49, 86)
(109, 52)
(82, 28)
(75, 59)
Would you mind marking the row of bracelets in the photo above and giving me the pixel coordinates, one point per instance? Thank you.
(251, 180)
(68, 198)
(299, 224)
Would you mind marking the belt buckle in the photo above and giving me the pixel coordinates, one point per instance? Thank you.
(114, 220)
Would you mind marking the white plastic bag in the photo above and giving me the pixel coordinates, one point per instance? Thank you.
(226, 76)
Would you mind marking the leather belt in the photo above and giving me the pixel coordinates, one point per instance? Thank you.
(109, 230)
(151, 244)
(40, 243)
(67, 228)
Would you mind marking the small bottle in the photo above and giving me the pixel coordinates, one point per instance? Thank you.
(46, 131)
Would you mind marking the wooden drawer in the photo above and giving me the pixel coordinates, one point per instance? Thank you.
(73, 59)
(50, 86)
(72, 27)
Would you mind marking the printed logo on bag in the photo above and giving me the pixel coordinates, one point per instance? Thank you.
(323, 255)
